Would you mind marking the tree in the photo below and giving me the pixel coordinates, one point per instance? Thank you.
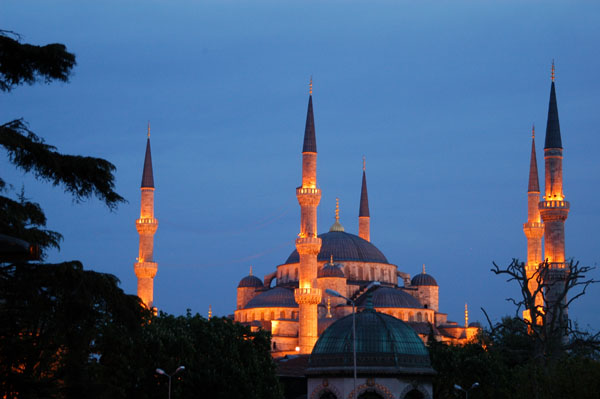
(81, 176)
(547, 304)
(65, 332)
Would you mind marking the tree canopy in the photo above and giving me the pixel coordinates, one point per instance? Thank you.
(80, 176)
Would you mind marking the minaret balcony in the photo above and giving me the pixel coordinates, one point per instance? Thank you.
(308, 196)
(145, 269)
(146, 225)
(308, 295)
(307, 191)
(308, 245)
(554, 205)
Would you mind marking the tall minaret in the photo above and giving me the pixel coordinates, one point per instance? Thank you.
(308, 245)
(364, 220)
(534, 228)
(145, 267)
(554, 209)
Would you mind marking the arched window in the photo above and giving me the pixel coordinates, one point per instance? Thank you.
(262, 316)
(296, 274)
(274, 345)
(419, 316)
(251, 316)
(282, 315)
(287, 276)
(360, 273)
(272, 316)
(370, 395)
(411, 316)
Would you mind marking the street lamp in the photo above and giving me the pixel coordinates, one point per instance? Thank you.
(161, 371)
(466, 391)
(337, 294)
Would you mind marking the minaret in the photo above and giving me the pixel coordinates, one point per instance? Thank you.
(145, 267)
(308, 245)
(364, 220)
(554, 209)
(533, 228)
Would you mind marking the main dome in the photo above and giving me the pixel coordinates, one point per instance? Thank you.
(383, 344)
(344, 247)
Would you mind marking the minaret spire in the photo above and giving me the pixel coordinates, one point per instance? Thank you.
(554, 210)
(364, 218)
(308, 245)
(145, 268)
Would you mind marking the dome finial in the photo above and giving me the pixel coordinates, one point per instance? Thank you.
(364, 163)
(552, 75)
(424, 268)
(533, 131)
(209, 312)
(337, 226)
(148, 129)
(466, 315)
(331, 259)
(310, 86)
(250, 270)
(328, 315)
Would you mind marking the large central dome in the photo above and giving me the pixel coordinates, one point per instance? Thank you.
(344, 247)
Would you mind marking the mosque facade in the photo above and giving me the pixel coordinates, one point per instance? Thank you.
(298, 301)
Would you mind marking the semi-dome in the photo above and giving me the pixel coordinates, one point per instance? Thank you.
(423, 279)
(277, 297)
(331, 270)
(388, 297)
(384, 344)
(250, 281)
(344, 247)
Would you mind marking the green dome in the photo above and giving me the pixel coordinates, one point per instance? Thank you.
(384, 344)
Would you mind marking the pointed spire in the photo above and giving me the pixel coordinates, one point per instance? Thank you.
(553, 139)
(363, 209)
(310, 141)
(147, 175)
(534, 183)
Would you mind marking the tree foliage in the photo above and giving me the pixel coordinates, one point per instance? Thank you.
(69, 333)
(82, 177)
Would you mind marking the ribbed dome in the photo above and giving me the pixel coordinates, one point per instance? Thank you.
(277, 297)
(331, 270)
(388, 297)
(423, 279)
(383, 344)
(250, 281)
(344, 247)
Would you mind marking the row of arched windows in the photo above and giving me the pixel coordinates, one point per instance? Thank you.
(265, 316)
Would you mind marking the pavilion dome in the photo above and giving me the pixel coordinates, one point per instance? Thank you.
(423, 279)
(384, 344)
(344, 247)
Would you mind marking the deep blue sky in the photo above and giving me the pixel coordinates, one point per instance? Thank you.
(438, 95)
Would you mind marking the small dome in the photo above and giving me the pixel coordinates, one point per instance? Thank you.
(344, 247)
(250, 281)
(331, 270)
(423, 279)
(388, 297)
(383, 344)
(277, 297)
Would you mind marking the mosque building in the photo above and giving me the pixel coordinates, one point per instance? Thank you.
(295, 303)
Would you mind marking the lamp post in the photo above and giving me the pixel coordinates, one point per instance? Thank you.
(466, 391)
(337, 294)
(161, 371)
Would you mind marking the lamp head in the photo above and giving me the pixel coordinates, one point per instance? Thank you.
(180, 368)
(160, 371)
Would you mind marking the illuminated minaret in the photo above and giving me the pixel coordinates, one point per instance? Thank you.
(145, 267)
(554, 209)
(364, 220)
(308, 245)
(534, 228)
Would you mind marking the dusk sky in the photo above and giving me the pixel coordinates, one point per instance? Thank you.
(439, 96)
